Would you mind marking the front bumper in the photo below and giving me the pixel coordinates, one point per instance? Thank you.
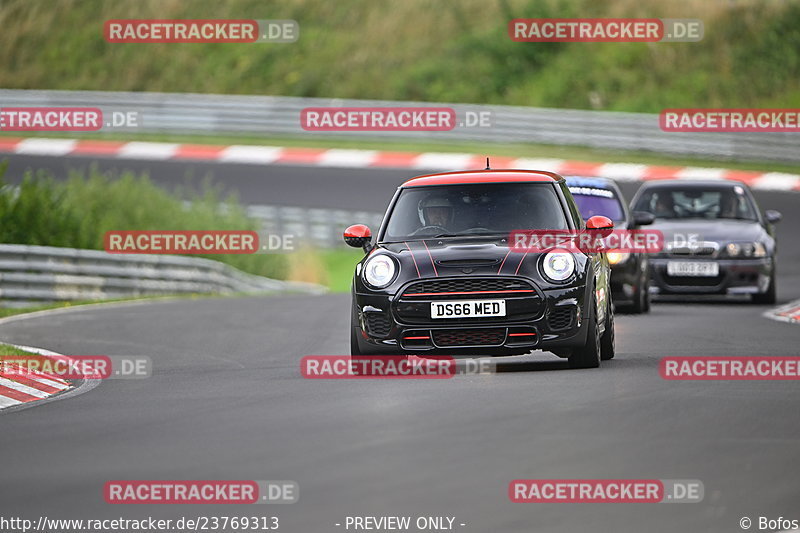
(554, 322)
(626, 280)
(736, 276)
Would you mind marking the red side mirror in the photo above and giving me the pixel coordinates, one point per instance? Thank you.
(599, 223)
(357, 236)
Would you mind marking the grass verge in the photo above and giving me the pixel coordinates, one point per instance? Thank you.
(331, 268)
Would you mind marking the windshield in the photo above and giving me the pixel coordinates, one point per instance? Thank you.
(476, 209)
(711, 203)
(594, 201)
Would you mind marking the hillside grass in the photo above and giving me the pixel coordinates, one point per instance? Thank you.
(427, 50)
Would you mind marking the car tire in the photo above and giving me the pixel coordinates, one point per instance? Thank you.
(641, 302)
(607, 342)
(588, 355)
(770, 296)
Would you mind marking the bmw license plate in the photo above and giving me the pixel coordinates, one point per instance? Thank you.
(689, 268)
(468, 308)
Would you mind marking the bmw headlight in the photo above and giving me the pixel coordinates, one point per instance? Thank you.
(616, 257)
(379, 271)
(558, 265)
(745, 249)
(733, 249)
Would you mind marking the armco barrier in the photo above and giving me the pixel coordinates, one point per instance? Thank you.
(320, 227)
(40, 274)
(206, 114)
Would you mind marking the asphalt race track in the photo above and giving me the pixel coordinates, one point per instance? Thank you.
(227, 401)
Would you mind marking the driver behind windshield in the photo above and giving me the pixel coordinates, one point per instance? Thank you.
(665, 205)
(436, 211)
(728, 205)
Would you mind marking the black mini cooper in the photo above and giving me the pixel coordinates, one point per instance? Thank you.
(443, 278)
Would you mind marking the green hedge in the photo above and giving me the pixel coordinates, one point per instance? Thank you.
(77, 212)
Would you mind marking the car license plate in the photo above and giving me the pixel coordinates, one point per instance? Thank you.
(468, 308)
(686, 268)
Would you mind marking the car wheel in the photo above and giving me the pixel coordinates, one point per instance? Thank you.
(607, 340)
(770, 296)
(641, 303)
(588, 355)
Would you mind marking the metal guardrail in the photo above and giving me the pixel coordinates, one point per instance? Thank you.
(205, 114)
(319, 227)
(39, 274)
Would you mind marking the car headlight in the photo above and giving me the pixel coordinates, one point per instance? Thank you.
(558, 266)
(745, 249)
(379, 271)
(616, 257)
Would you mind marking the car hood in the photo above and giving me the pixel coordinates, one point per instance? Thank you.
(455, 257)
(721, 231)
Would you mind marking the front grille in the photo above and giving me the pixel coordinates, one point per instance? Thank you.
(447, 287)
(378, 324)
(692, 252)
(469, 337)
(561, 317)
(700, 249)
(693, 281)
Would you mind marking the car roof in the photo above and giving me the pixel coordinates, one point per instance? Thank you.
(483, 176)
(583, 181)
(693, 184)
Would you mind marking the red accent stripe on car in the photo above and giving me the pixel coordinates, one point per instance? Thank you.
(504, 261)
(484, 176)
(431, 258)
(520, 263)
(413, 259)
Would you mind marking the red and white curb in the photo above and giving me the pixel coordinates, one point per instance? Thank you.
(28, 386)
(786, 313)
(323, 157)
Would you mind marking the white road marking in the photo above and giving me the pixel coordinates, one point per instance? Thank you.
(37, 146)
(784, 313)
(145, 150)
(30, 391)
(442, 161)
(347, 158)
(623, 171)
(550, 165)
(251, 154)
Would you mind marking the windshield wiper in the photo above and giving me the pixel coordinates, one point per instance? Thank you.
(468, 235)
